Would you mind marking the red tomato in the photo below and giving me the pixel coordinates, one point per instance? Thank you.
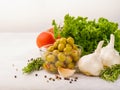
(45, 38)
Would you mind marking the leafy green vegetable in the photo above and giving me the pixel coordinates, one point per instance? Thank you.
(117, 40)
(87, 33)
(111, 73)
(56, 29)
(33, 65)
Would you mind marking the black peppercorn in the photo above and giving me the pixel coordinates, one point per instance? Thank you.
(45, 76)
(15, 76)
(36, 74)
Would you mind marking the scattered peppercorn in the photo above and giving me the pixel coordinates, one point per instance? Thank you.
(70, 81)
(50, 78)
(15, 76)
(60, 78)
(75, 80)
(76, 77)
(36, 74)
(45, 76)
(57, 77)
(66, 78)
(53, 79)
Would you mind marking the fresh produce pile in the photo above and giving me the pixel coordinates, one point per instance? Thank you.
(99, 43)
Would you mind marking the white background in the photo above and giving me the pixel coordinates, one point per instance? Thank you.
(33, 16)
(37, 15)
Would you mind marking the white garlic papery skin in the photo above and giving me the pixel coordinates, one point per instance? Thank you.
(91, 64)
(109, 55)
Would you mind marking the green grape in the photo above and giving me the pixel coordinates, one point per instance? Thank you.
(56, 44)
(61, 46)
(76, 58)
(50, 67)
(67, 53)
(55, 52)
(46, 65)
(75, 55)
(70, 40)
(61, 57)
(53, 69)
(63, 40)
(68, 59)
(59, 64)
(65, 50)
(50, 48)
(50, 58)
(71, 65)
(75, 47)
(68, 47)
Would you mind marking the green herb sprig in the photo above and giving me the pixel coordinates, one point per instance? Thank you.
(33, 65)
(56, 29)
(111, 73)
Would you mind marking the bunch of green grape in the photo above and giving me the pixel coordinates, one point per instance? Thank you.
(63, 53)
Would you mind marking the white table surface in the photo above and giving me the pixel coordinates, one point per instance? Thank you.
(17, 48)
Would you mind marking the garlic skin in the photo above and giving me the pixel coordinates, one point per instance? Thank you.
(91, 64)
(109, 55)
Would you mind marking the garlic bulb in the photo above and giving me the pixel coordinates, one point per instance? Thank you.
(91, 64)
(109, 55)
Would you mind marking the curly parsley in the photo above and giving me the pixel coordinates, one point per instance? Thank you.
(33, 65)
(111, 73)
(87, 33)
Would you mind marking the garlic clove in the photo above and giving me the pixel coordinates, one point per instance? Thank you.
(65, 72)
